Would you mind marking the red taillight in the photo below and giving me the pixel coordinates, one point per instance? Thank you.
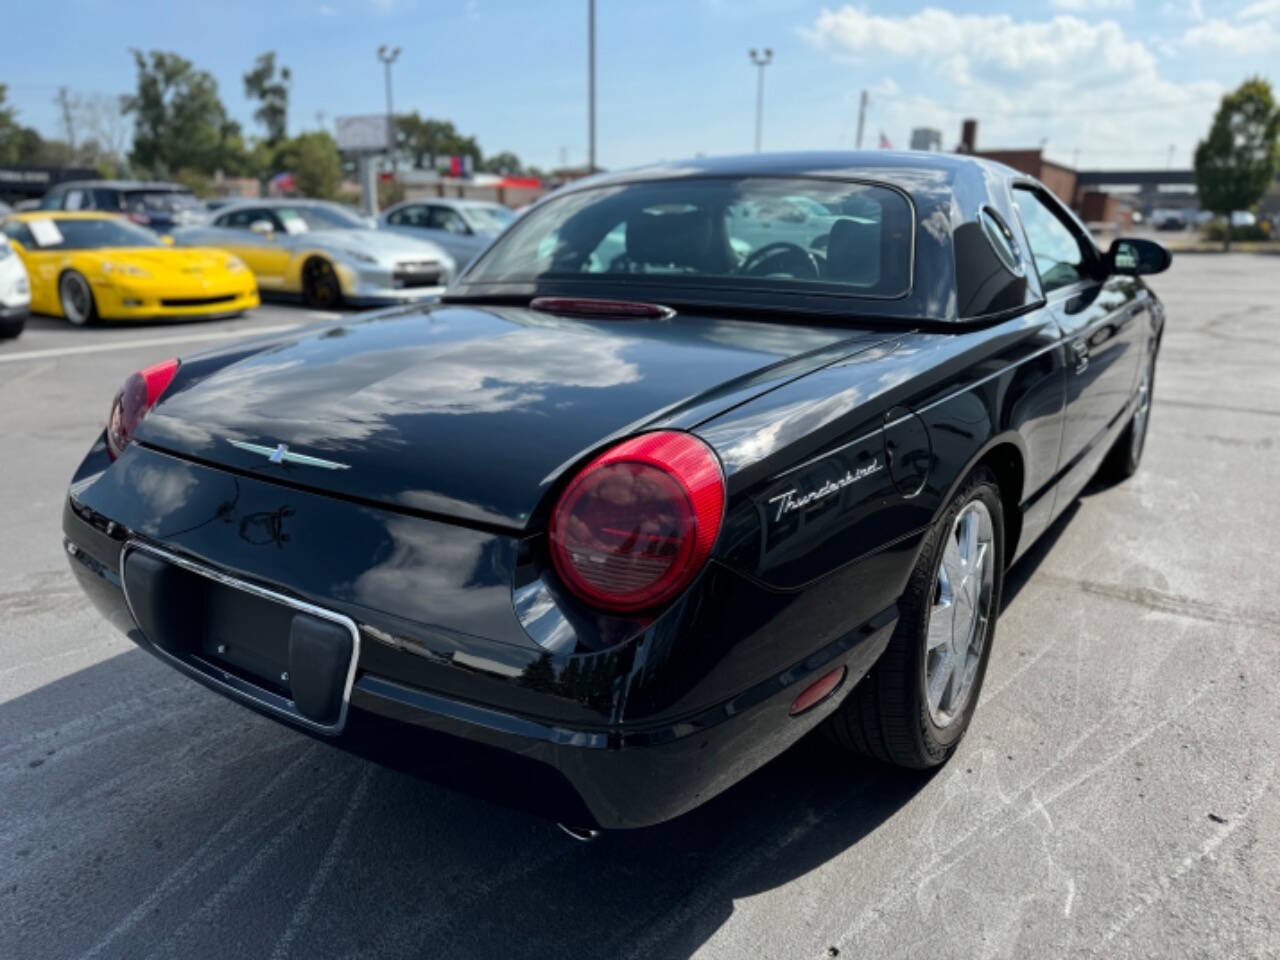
(637, 524)
(138, 395)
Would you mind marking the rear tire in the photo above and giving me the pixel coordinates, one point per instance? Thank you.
(905, 711)
(1124, 458)
(320, 287)
(76, 298)
(11, 328)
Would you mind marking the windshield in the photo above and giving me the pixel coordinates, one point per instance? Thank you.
(139, 200)
(306, 217)
(487, 218)
(788, 234)
(75, 234)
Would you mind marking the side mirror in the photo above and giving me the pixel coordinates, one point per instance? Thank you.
(262, 228)
(1134, 257)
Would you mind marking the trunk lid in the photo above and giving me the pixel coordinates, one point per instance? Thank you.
(468, 412)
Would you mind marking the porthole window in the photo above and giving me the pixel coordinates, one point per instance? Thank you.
(1002, 239)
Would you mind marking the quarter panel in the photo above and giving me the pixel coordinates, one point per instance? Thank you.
(819, 443)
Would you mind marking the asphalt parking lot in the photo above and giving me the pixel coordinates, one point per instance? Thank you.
(1116, 795)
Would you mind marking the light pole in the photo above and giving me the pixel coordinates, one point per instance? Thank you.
(761, 61)
(591, 86)
(388, 56)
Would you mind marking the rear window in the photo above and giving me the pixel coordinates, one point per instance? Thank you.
(785, 234)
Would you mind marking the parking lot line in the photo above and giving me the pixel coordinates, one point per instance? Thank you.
(148, 342)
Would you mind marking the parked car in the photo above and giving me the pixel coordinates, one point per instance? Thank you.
(159, 206)
(324, 253)
(462, 227)
(602, 535)
(90, 266)
(15, 292)
(1170, 219)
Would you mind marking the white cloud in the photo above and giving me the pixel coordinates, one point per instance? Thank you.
(1219, 36)
(1094, 93)
(996, 41)
(1081, 6)
(1261, 9)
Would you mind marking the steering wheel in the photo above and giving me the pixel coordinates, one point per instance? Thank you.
(788, 256)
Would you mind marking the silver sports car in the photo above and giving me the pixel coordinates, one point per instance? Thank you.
(462, 227)
(324, 252)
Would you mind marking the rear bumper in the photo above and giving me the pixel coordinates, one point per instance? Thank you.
(18, 313)
(610, 775)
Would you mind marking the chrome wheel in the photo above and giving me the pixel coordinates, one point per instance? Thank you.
(77, 299)
(1138, 434)
(961, 610)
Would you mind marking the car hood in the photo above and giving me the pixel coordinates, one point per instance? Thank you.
(156, 260)
(388, 248)
(468, 412)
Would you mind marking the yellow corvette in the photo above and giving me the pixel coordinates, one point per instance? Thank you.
(84, 266)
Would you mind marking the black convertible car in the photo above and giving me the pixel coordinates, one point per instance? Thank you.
(692, 460)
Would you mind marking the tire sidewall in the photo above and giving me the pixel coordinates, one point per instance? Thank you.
(75, 275)
(314, 274)
(1135, 456)
(938, 742)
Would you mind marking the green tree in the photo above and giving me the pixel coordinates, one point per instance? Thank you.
(271, 90)
(313, 160)
(1238, 161)
(422, 139)
(179, 121)
(19, 145)
(505, 163)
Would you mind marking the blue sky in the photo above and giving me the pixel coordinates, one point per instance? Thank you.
(1112, 83)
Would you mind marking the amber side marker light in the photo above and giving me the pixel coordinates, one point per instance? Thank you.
(818, 691)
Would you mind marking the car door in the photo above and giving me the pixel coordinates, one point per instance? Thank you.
(1098, 316)
(447, 228)
(411, 219)
(266, 254)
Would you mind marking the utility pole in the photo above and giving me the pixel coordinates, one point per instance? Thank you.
(591, 86)
(761, 61)
(862, 117)
(388, 56)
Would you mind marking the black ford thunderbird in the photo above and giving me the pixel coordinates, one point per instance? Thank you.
(692, 460)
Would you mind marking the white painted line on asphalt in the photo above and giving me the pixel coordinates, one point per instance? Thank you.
(323, 315)
(149, 342)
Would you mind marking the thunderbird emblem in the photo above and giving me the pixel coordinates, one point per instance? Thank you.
(281, 453)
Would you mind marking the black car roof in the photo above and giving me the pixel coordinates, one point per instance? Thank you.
(893, 166)
(949, 193)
